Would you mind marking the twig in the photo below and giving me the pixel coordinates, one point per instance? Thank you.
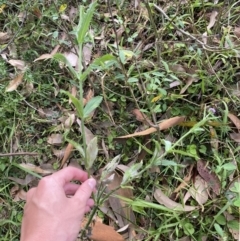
(19, 154)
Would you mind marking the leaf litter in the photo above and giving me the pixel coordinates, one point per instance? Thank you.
(165, 124)
(209, 176)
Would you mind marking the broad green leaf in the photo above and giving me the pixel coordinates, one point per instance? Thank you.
(168, 145)
(84, 21)
(131, 173)
(229, 166)
(218, 229)
(92, 105)
(111, 166)
(98, 64)
(78, 105)
(62, 58)
(77, 146)
(92, 151)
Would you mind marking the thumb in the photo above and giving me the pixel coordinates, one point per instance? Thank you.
(85, 190)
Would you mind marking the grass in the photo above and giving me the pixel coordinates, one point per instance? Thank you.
(154, 46)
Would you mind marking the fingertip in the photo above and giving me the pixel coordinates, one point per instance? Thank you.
(92, 183)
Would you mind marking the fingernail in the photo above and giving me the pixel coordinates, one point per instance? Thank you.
(92, 183)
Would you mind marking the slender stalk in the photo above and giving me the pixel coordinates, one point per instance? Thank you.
(80, 69)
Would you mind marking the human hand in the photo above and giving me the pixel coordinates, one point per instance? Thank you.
(49, 214)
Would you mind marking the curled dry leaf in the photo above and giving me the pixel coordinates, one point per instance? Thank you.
(235, 136)
(161, 126)
(167, 202)
(15, 83)
(234, 120)
(237, 31)
(122, 212)
(4, 37)
(199, 190)
(34, 168)
(48, 56)
(67, 154)
(141, 117)
(19, 64)
(18, 193)
(55, 139)
(29, 178)
(102, 232)
(87, 53)
(210, 177)
(89, 96)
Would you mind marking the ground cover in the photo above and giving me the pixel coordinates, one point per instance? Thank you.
(142, 94)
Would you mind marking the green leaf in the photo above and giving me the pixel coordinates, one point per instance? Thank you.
(131, 173)
(168, 145)
(84, 21)
(229, 166)
(92, 151)
(98, 64)
(111, 166)
(237, 202)
(218, 229)
(78, 105)
(62, 58)
(92, 105)
(188, 229)
(77, 146)
(233, 224)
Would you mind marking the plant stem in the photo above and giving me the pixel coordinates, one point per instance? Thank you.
(80, 68)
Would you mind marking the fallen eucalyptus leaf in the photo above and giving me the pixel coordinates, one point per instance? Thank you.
(210, 177)
(167, 202)
(162, 126)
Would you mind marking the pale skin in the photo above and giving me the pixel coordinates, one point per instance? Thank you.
(50, 214)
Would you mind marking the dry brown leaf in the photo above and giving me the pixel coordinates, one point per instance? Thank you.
(43, 56)
(122, 212)
(48, 56)
(210, 177)
(55, 139)
(72, 57)
(35, 168)
(167, 202)
(102, 232)
(162, 126)
(237, 31)
(185, 181)
(235, 136)
(199, 190)
(13, 84)
(29, 178)
(19, 64)
(141, 117)
(69, 121)
(234, 120)
(214, 140)
(88, 96)
(67, 154)
(18, 193)
(59, 153)
(4, 37)
(178, 69)
(87, 53)
(210, 25)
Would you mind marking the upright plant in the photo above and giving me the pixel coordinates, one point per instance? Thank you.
(89, 150)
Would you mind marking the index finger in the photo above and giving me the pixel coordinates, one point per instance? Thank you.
(69, 174)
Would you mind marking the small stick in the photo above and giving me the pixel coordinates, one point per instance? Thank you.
(19, 154)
